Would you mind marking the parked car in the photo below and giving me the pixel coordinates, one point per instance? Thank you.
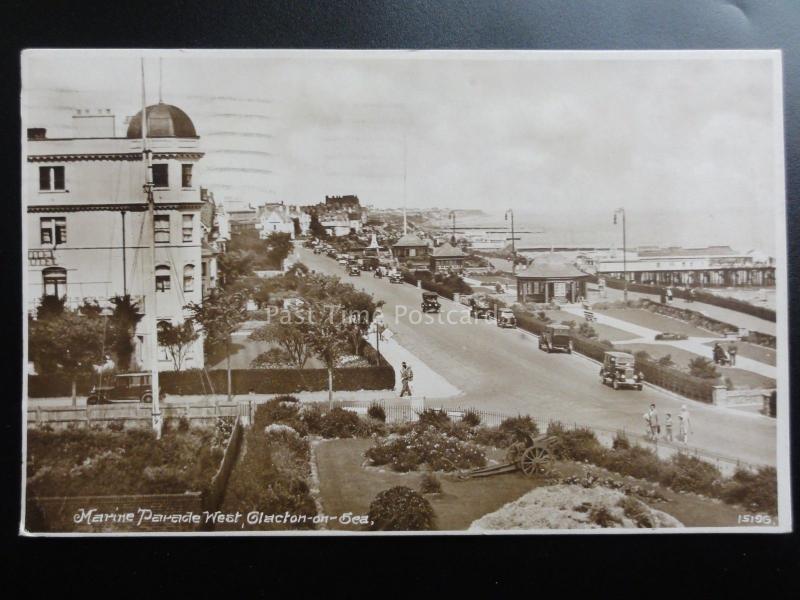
(395, 277)
(506, 318)
(317, 250)
(479, 308)
(354, 271)
(369, 263)
(668, 335)
(618, 371)
(556, 338)
(331, 253)
(430, 302)
(342, 259)
(124, 387)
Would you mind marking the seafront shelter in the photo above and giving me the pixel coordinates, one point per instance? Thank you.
(551, 278)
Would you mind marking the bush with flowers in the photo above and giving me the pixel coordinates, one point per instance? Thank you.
(430, 447)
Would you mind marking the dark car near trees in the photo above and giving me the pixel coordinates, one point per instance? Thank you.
(430, 302)
(556, 338)
(124, 387)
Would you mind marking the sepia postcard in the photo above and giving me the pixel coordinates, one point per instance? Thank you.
(366, 293)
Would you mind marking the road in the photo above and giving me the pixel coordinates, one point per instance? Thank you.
(503, 370)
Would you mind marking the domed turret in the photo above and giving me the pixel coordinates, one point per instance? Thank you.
(163, 120)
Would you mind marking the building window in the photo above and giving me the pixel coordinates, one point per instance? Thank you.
(161, 175)
(51, 179)
(162, 278)
(161, 229)
(53, 228)
(163, 354)
(188, 278)
(186, 176)
(54, 281)
(188, 228)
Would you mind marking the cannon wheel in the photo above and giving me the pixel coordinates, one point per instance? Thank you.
(536, 459)
(514, 452)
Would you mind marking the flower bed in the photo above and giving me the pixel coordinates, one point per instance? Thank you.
(98, 462)
(430, 447)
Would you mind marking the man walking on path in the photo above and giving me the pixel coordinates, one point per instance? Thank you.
(406, 376)
(684, 425)
(732, 350)
(651, 418)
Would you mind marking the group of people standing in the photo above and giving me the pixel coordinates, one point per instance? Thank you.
(725, 357)
(653, 426)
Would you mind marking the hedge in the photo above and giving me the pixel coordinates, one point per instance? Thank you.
(700, 296)
(665, 377)
(260, 381)
(430, 285)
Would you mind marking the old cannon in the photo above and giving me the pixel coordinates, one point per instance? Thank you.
(529, 454)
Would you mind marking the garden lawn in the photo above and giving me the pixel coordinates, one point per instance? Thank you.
(347, 486)
(681, 358)
(604, 332)
(660, 323)
(752, 351)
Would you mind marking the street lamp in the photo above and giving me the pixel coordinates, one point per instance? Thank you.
(513, 243)
(452, 216)
(624, 253)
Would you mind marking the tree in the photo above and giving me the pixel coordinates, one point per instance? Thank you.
(235, 264)
(279, 245)
(703, 367)
(51, 306)
(70, 344)
(219, 315)
(291, 333)
(121, 327)
(666, 361)
(316, 228)
(298, 231)
(360, 308)
(328, 330)
(177, 339)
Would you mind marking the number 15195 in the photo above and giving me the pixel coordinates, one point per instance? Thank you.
(760, 519)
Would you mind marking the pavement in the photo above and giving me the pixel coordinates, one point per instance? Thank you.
(696, 345)
(503, 370)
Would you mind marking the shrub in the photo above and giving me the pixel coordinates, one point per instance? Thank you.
(471, 418)
(587, 331)
(666, 361)
(431, 417)
(286, 398)
(641, 355)
(436, 449)
(542, 316)
(341, 423)
(636, 511)
(636, 462)
(430, 484)
(492, 436)
(690, 474)
(703, 368)
(757, 491)
(401, 509)
(578, 444)
(184, 424)
(116, 426)
(621, 441)
(524, 423)
(377, 412)
(279, 411)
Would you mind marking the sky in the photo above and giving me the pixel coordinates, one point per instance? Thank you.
(686, 143)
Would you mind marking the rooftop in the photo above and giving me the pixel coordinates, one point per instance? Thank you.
(551, 266)
(410, 240)
(163, 120)
(446, 250)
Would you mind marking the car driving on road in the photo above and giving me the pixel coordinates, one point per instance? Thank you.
(354, 271)
(430, 302)
(556, 338)
(479, 308)
(619, 371)
(395, 277)
(506, 318)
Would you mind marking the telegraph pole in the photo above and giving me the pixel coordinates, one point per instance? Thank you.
(405, 175)
(150, 287)
(513, 243)
(452, 215)
(624, 253)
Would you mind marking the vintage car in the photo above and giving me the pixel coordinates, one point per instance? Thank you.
(124, 387)
(370, 263)
(556, 338)
(430, 302)
(317, 250)
(506, 318)
(354, 271)
(619, 371)
(395, 277)
(668, 335)
(331, 253)
(342, 259)
(479, 308)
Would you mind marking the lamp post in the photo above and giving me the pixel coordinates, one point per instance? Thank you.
(624, 253)
(513, 242)
(452, 216)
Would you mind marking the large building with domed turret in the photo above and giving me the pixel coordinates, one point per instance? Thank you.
(87, 232)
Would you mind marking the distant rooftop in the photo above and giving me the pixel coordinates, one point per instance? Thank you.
(551, 266)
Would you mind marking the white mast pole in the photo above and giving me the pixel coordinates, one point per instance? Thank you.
(150, 301)
(405, 172)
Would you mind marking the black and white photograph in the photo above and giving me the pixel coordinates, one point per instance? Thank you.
(394, 292)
